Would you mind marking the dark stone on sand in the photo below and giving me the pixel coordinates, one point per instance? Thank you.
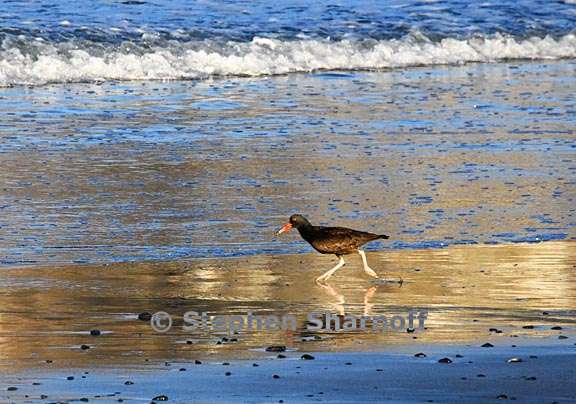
(459, 356)
(528, 327)
(410, 330)
(228, 373)
(70, 378)
(562, 337)
(420, 355)
(480, 375)
(280, 356)
(182, 370)
(12, 388)
(445, 360)
(556, 327)
(487, 345)
(348, 363)
(145, 316)
(255, 365)
(84, 347)
(95, 332)
(502, 397)
(84, 400)
(160, 398)
(128, 382)
(225, 363)
(496, 330)
(276, 377)
(49, 361)
(197, 362)
(307, 357)
(189, 342)
(43, 396)
(379, 370)
(276, 348)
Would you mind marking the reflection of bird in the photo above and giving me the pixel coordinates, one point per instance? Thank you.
(333, 240)
(340, 301)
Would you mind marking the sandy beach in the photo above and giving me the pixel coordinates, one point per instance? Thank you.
(513, 298)
(151, 150)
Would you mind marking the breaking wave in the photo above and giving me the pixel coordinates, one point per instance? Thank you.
(38, 61)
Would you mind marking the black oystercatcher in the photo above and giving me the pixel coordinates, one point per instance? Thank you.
(333, 240)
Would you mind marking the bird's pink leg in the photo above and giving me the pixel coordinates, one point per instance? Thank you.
(367, 269)
(329, 273)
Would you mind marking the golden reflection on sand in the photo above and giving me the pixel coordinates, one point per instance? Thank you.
(46, 313)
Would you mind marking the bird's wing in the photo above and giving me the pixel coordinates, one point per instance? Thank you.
(340, 238)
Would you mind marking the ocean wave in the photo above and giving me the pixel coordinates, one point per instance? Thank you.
(38, 62)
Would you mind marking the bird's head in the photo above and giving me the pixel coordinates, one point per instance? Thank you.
(296, 221)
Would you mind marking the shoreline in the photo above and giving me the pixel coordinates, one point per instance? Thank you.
(309, 251)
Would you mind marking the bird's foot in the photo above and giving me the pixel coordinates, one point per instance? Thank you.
(369, 271)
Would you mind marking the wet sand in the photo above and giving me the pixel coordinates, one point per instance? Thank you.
(120, 200)
(519, 298)
(433, 156)
(523, 374)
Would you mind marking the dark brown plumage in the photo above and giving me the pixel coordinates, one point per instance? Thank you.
(336, 240)
(333, 240)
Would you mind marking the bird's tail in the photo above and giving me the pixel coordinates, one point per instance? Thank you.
(384, 236)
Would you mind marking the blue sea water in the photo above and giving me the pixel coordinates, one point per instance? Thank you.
(139, 130)
(58, 41)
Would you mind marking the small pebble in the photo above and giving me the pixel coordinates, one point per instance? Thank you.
(145, 316)
(307, 357)
(95, 332)
(445, 360)
(487, 345)
(420, 355)
(276, 348)
(160, 398)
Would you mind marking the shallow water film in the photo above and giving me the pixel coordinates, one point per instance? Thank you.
(145, 171)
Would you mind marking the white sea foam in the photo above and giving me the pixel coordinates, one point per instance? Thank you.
(61, 63)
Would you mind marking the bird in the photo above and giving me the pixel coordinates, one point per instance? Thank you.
(339, 241)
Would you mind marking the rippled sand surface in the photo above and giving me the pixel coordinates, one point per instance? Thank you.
(516, 290)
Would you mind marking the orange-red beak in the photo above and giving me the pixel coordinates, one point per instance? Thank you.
(284, 229)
